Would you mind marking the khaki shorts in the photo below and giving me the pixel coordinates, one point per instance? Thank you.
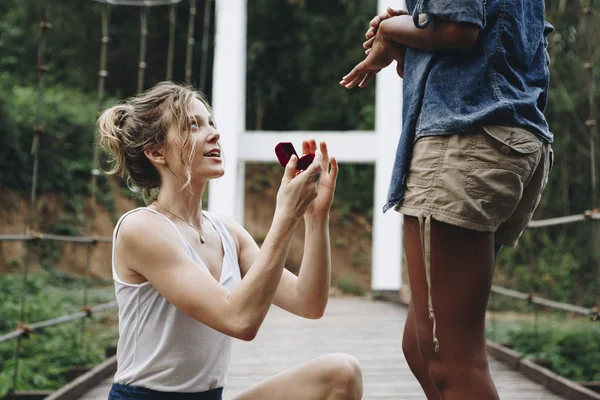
(490, 180)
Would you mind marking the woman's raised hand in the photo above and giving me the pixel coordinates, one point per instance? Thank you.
(298, 189)
(320, 207)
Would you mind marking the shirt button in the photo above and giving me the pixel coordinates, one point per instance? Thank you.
(505, 149)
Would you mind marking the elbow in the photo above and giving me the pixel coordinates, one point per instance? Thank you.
(316, 314)
(316, 311)
(245, 332)
(248, 334)
(244, 329)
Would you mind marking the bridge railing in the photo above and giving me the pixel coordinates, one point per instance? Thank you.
(547, 333)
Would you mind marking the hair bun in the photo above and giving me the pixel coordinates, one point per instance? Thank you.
(113, 135)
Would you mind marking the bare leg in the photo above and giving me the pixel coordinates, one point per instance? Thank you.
(462, 264)
(414, 358)
(330, 377)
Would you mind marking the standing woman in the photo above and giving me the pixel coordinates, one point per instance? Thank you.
(187, 282)
(471, 165)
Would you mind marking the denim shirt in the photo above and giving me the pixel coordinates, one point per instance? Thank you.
(502, 80)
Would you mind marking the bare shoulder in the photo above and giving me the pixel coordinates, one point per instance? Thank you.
(145, 233)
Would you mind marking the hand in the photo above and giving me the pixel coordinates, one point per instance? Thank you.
(298, 189)
(320, 207)
(400, 62)
(379, 56)
(389, 13)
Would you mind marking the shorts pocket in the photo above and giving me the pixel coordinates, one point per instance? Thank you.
(501, 161)
(425, 161)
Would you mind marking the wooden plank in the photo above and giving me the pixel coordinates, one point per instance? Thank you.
(75, 389)
(371, 331)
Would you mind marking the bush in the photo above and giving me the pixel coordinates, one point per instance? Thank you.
(574, 355)
(350, 283)
(47, 355)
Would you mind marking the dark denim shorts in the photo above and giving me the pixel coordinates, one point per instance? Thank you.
(126, 392)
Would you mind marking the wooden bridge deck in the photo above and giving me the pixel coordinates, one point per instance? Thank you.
(371, 331)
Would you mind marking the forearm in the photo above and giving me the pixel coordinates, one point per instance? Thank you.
(438, 35)
(250, 300)
(314, 279)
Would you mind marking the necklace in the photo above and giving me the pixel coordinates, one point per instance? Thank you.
(199, 232)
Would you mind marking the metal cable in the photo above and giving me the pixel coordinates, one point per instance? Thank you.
(25, 330)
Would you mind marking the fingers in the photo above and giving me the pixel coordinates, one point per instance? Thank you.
(290, 168)
(305, 147)
(325, 152)
(351, 76)
(368, 78)
(375, 21)
(400, 68)
(312, 146)
(369, 43)
(333, 172)
(357, 80)
(316, 166)
(370, 33)
(354, 77)
(394, 13)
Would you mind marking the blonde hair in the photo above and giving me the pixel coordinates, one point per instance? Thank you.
(129, 128)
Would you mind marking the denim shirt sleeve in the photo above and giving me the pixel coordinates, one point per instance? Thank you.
(467, 11)
(548, 29)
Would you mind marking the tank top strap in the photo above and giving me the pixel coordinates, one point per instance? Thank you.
(117, 226)
(223, 232)
(231, 267)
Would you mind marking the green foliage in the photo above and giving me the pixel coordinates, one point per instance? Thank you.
(354, 190)
(571, 344)
(351, 283)
(65, 146)
(573, 354)
(297, 54)
(47, 355)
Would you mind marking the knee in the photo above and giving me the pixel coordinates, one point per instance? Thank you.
(412, 354)
(345, 376)
(446, 376)
(439, 373)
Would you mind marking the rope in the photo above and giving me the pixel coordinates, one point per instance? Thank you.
(34, 236)
(32, 220)
(143, 41)
(171, 52)
(586, 216)
(205, 34)
(533, 299)
(84, 300)
(139, 3)
(25, 330)
(190, 43)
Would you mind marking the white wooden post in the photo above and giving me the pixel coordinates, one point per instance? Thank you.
(226, 195)
(387, 235)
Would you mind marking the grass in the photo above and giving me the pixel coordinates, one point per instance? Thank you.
(47, 355)
(570, 344)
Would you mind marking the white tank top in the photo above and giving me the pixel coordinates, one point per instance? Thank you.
(161, 347)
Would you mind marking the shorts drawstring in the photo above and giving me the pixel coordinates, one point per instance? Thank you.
(425, 229)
